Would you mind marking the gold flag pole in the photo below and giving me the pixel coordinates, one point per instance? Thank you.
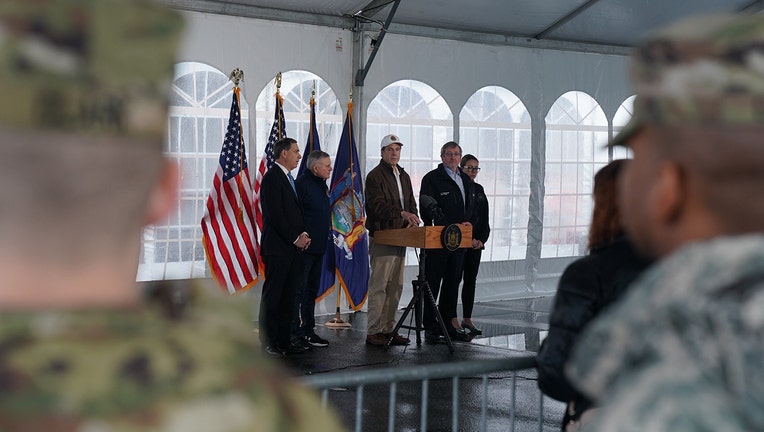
(350, 150)
(311, 138)
(279, 104)
(337, 322)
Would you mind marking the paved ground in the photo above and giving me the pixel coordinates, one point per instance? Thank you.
(511, 328)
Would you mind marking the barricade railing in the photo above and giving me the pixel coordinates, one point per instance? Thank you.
(425, 373)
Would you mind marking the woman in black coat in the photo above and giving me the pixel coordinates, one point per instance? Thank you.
(480, 230)
(586, 287)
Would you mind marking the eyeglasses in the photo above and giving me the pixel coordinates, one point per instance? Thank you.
(452, 154)
(471, 168)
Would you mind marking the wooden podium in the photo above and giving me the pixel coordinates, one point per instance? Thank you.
(426, 237)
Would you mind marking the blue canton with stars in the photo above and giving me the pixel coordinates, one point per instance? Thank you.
(274, 136)
(232, 153)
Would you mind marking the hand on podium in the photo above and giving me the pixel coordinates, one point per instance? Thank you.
(411, 218)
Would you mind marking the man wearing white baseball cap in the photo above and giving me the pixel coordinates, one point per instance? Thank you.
(390, 204)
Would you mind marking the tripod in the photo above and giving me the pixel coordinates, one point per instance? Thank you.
(422, 292)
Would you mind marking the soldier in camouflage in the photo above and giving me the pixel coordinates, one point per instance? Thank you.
(185, 359)
(684, 351)
(84, 87)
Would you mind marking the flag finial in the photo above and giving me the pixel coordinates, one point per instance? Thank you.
(236, 75)
(278, 83)
(350, 96)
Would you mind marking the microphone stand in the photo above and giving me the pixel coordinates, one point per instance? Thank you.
(422, 291)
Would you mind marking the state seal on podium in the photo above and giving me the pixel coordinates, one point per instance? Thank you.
(451, 237)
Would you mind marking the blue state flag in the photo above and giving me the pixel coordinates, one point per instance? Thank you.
(346, 262)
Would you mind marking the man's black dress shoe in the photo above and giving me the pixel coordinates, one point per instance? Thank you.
(272, 351)
(432, 336)
(294, 348)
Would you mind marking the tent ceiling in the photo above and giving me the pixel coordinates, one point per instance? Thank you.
(613, 23)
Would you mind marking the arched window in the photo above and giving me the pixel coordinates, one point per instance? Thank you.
(495, 127)
(622, 116)
(296, 89)
(422, 120)
(576, 134)
(200, 103)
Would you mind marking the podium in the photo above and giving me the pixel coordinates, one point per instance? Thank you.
(426, 237)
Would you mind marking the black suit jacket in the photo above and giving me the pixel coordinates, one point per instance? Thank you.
(480, 226)
(282, 214)
(438, 185)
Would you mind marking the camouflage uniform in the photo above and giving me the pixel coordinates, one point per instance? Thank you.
(87, 66)
(187, 360)
(684, 350)
(706, 71)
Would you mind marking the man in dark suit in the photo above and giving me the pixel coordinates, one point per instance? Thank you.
(283, 239)
(317, 212)
(454, 192)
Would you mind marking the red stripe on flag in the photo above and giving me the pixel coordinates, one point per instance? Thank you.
(230, 218)
(215, 206)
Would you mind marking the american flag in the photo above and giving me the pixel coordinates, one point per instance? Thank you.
(228, 223)
(277, 132)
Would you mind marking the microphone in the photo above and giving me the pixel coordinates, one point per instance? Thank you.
(429, 204)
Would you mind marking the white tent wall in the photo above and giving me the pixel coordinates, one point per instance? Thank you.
(538, 77)
(455, 69)
(264, 48)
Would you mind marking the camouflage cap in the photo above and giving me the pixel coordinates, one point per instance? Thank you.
(707, 70)
(93, 66)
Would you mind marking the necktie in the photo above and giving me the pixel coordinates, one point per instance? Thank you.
(400, 188)
(291, 182)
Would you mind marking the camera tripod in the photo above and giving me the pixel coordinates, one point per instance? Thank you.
(422, 292)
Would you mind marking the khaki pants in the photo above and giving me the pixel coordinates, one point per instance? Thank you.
(385, 286)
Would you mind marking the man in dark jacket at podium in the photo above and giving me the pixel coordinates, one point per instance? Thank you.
(390, 204)
(454, 193)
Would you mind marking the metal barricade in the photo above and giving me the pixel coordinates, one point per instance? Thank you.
(427, 374)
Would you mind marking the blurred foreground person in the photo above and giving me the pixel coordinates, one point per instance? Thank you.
(684, 349)
(82, 119)
(587, 286)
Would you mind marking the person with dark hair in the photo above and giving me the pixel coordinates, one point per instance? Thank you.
(684, 349)
(588, 286)
(480, 230)
(284, 238)
(314, 193)
(454, 193)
